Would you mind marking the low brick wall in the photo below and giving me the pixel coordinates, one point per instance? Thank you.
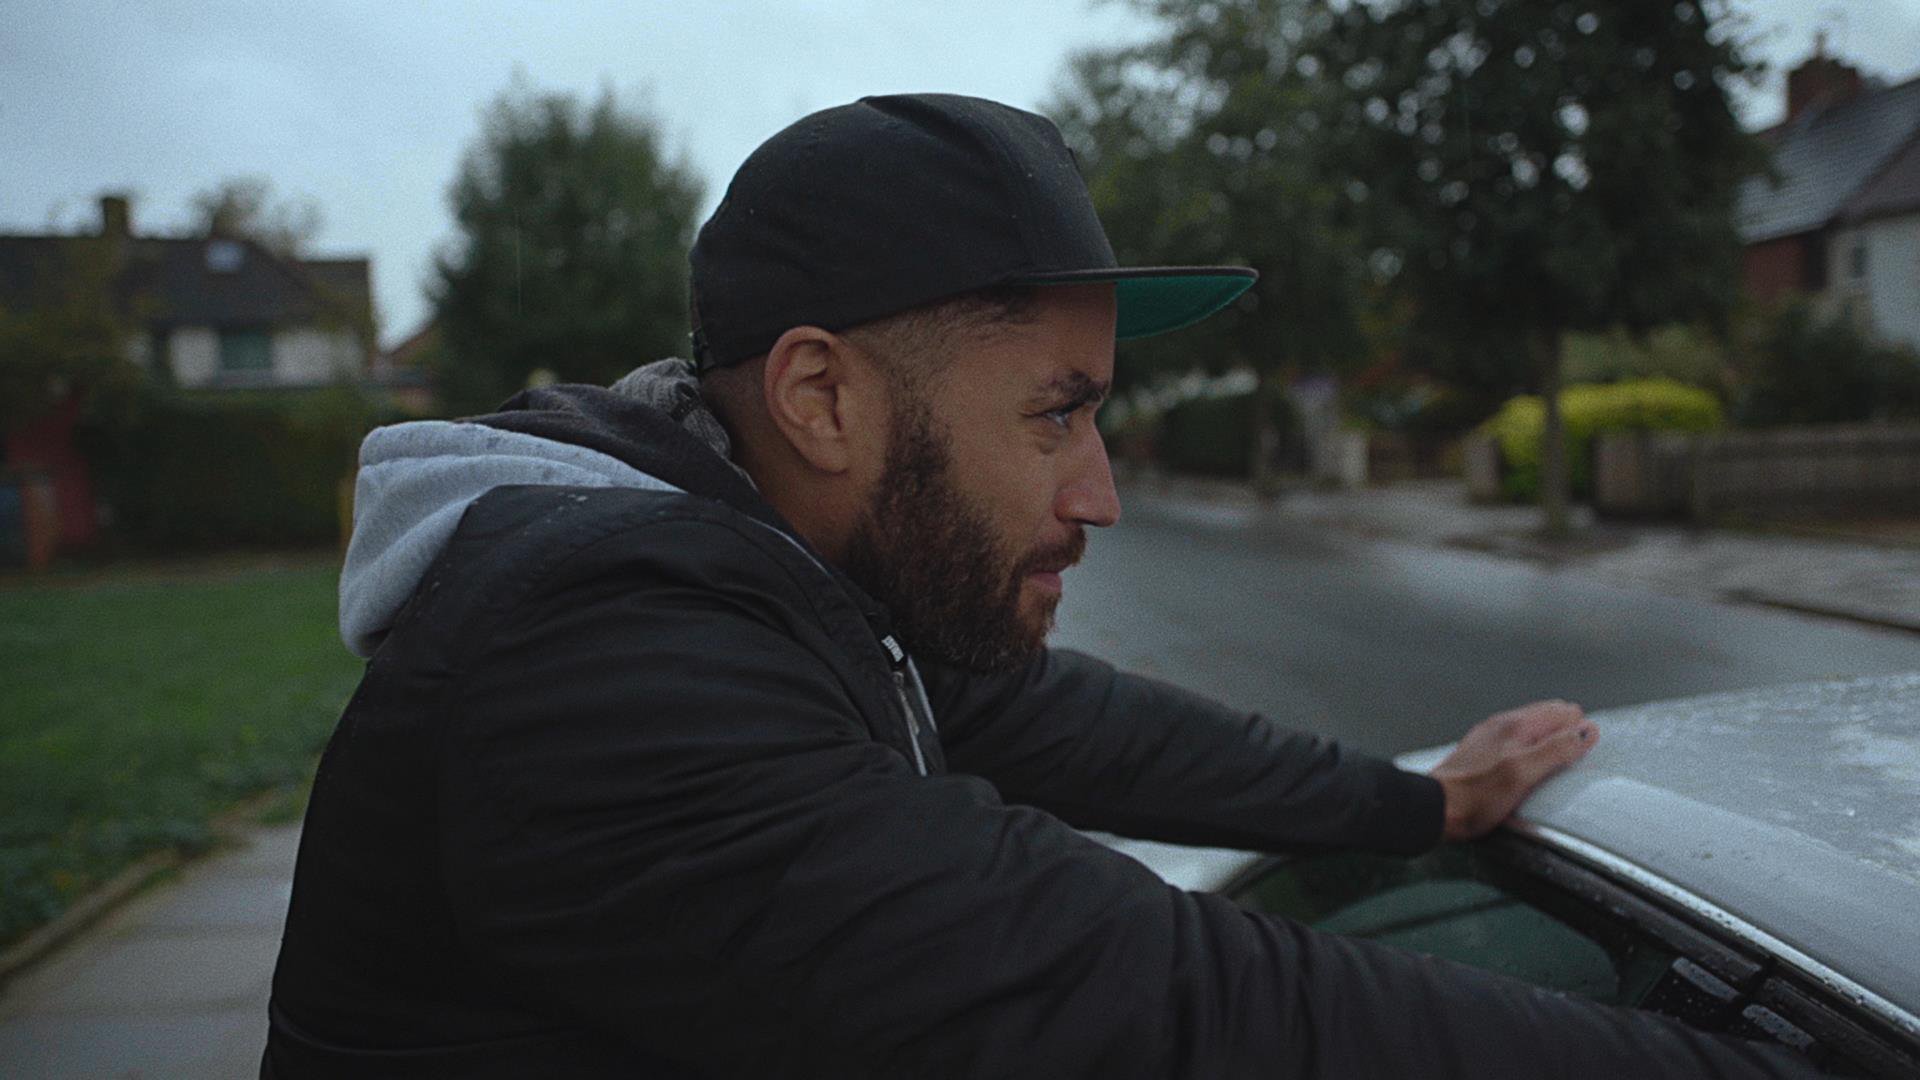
(1480, 460)
(1644, 473)
(1787, 472)
(1851, 468)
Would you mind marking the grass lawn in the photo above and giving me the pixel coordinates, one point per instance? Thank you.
(134, 706)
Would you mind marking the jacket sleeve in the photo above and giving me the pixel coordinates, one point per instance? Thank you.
(1104, 749)
(680, 834)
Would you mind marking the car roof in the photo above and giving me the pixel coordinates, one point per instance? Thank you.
(1795, 809)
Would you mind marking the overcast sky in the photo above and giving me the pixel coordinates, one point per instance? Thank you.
(366, 107)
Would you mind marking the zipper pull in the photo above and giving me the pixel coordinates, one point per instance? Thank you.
(896, 654)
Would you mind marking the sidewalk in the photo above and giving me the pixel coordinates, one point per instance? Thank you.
(1874, 583)
(172, 985)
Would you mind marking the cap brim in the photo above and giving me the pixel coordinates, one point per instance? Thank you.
(1157, 299)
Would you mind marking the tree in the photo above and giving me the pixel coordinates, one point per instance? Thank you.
(1539, 166)
(1202, 147)
(571, 260)
(243, 208)
(69, 337)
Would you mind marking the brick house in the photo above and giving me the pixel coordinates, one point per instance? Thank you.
(217, 311)
(406, 371)
(1841, 218)
(207, 314)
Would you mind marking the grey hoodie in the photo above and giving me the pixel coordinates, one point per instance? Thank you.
(416, 480)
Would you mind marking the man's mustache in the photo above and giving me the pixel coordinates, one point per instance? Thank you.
(1057, 558)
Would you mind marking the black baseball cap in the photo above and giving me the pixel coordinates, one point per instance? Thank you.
(866, 210)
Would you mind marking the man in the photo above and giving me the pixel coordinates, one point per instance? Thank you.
(707, 727)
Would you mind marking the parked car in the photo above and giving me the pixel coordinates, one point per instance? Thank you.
(1748, 862)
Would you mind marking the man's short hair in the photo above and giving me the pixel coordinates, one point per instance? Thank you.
(913, 347)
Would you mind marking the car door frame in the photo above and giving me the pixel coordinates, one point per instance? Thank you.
(1767, 988)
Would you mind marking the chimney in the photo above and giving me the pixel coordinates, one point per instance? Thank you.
(116, 217)
(1819, 81)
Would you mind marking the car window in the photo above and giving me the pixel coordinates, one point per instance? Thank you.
(1457, 904)
(1505, 906)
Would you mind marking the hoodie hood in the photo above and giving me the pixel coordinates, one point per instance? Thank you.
(416, 480)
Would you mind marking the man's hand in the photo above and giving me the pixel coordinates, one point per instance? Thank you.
(1504, 758)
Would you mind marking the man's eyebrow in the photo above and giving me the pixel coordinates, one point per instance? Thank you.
(1078, 387)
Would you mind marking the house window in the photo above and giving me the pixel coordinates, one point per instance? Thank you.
(1857, 261)
(224, 256)
(246, 351)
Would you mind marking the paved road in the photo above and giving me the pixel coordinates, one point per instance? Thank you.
(1389, 646)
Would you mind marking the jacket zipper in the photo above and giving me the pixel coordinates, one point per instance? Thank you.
(898, 656)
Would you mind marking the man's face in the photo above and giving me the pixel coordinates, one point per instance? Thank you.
(991, 477)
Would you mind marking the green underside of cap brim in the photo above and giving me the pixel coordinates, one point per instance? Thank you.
(1157, 305)
(1155, 300)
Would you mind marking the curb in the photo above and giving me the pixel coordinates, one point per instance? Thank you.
(1762, 598)
(86, 911)
(227, 826)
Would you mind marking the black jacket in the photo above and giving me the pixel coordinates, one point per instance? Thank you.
(629, 790)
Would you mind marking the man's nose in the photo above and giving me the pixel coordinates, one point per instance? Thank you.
(1088, 497)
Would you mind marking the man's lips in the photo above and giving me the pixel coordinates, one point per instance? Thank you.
(1047, 580)
(1046, 576)
(1045, 570)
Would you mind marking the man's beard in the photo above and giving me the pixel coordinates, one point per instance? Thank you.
(928, 552)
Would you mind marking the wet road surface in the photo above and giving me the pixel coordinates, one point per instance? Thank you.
(1389, 647)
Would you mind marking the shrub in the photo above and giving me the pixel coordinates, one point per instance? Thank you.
(1214, 436)
(1687, 354)
(185, 472)
(1641, 405)
(1806, 369)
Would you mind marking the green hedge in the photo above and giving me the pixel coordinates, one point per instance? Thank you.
(1809, 368)
(195, 472)
(1639, 405)
(1215, 436)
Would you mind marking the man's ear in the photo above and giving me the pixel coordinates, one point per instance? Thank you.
(822, 394)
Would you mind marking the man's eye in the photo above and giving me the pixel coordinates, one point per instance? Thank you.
(1063, 415)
